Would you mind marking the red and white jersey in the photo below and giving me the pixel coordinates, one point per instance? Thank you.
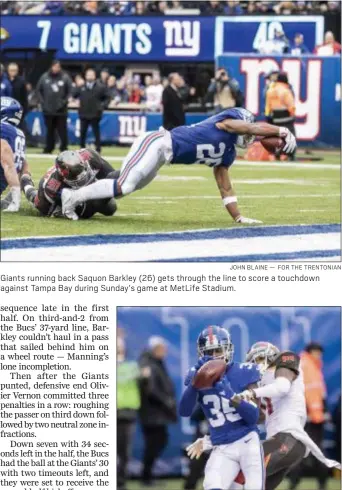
(286, 413)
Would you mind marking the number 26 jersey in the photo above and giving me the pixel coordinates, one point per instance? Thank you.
(205, 143)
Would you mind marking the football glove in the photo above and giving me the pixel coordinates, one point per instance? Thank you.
(247, 395)
(195, 368)
(195, 449)
(11, 203)
(290, 140)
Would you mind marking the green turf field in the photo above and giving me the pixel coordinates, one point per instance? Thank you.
(306, 484)
(185, 197)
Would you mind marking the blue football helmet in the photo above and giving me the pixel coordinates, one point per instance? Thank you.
(215, 342)
(10, 111)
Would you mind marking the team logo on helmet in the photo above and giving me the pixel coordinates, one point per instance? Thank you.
(215, 342)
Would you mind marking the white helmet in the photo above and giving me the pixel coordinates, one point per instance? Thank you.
(264, 352)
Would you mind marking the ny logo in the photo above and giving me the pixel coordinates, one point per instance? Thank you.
(130, 127)
(182, 38)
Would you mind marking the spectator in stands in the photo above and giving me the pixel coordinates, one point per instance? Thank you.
(129, 377)
(29, 8)
(225, 91)
(173, 108)
(284, 8)
(79, 80)
(73, 7)
(162, 7)
(119, 8)
(315, 396)
(5, 84)
(303, 7)
(329, 47)
(111, 86)
(213, 7)
(134, 93)
(94, 98)
(54, 89)
(278, 45)
(121, 95)
(251, 8)
(333, 6)
(264, 7)
(153, 94)
(176, 5)
(232, 7)
(91, 7)
(7, 8)
(298, 47)
(32, 98)
(280, 104)
(158, 404)
(104, 75)
(19, 91)
(54, 8)
(139, 8)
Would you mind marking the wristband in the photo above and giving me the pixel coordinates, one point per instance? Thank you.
(229, 200)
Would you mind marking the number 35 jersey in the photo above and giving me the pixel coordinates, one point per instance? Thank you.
(205, 143)
(16, 140)
(225, 424)
(286, 413)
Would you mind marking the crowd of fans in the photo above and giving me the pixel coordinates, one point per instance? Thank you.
(213, 7)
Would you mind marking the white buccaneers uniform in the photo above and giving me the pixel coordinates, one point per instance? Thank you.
(285, 413)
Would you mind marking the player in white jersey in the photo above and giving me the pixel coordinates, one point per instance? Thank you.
(282, 394)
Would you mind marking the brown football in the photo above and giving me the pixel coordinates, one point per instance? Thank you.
(273, 144)
(209, 374)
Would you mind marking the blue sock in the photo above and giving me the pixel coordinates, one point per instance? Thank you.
(115, 187)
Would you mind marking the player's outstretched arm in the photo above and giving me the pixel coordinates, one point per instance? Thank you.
(229, 198)
(188, 401)
(287, 369)
(11, 176)
(238, 126)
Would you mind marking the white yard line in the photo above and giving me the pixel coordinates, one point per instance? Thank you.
(281, 165)
(244, 196)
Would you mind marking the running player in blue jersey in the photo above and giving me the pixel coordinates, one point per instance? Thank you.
(232, 420)
(12, 153)
(211, 142)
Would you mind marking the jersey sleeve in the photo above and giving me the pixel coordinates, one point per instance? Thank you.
(288, 360)
(8, 133)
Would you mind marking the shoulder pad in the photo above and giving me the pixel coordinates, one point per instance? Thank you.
(289, 360)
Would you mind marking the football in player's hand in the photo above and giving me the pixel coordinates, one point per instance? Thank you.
(273, 144)
(209, 374)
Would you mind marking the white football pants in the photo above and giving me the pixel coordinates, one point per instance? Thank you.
(148, 153)
(227, 460)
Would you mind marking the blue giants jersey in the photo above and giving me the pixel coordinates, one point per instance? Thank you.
(16, 139)
(204, 142)
(225, 424)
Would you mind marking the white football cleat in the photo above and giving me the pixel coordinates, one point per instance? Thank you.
(69, 203)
